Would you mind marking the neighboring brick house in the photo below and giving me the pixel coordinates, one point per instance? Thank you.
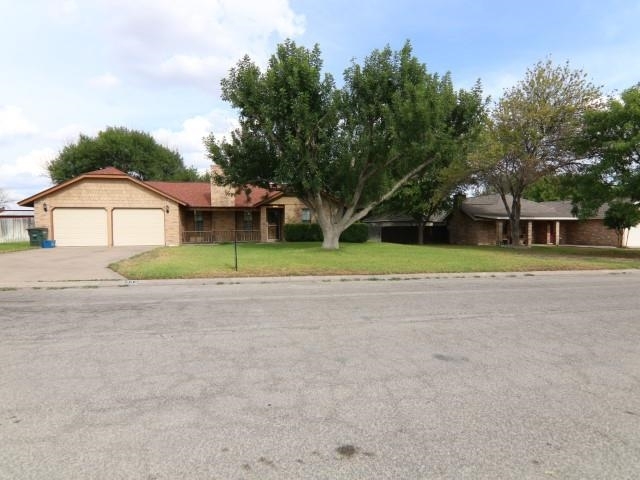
(484, 221)
(107, 207)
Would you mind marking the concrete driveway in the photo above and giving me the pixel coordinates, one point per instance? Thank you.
(62, 264)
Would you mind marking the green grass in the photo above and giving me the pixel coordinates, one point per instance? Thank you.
(290, 259)
(14, 247)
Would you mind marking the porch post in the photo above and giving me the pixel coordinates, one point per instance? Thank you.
(557, 232)
(529, 233)
(499, 232)
(264, 225)
(548, 234)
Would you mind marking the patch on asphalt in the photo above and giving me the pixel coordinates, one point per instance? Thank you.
(348, 451)
(450, 358)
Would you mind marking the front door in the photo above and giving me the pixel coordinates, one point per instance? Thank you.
(274, 220)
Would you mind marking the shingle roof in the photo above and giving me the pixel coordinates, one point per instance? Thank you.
(398, 219)
(194, 194)
(107, 171)
(255, 197)
(564, 207)
(491, 206)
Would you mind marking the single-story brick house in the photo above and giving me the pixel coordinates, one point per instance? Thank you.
(107, 207)
(483, 220)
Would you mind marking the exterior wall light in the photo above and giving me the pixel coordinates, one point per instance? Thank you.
(45, 207)
(166, 209)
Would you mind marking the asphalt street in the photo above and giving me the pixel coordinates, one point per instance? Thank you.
(481, 377)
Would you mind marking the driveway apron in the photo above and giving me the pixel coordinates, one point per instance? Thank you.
(62, 264)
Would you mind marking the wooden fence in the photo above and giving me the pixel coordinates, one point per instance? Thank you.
(15, 229)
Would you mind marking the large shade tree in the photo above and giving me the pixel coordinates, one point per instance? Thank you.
(532, 132)
(131, 151)
(342, 151)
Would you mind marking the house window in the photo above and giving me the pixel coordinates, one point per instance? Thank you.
(306, 215)
(198, 220)
(248, 220)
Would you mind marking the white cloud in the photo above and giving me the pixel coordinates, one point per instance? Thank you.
(106, 81)
(189, 139)
(27, 174)
(69, 133)
(63, 10)
(13, 122)
(195, 41)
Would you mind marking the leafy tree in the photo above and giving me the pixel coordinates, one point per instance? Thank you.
(531, 133)
(611, 137)
(546, 189)
(620, 216)
(434, 189)
(131, 151)
(341, 151)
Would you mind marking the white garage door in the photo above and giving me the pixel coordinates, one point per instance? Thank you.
(79, 227)
(138, 226)
(633, 240)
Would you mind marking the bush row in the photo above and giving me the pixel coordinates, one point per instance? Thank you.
(310, 232)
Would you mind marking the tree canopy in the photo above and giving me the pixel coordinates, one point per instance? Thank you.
(345, 150)
(131, 151)
(532, 132)
(620, 216)
(611, 139)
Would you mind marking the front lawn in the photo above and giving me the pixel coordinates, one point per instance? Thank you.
(14, 247)
(291, 259)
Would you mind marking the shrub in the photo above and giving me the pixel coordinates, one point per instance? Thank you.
(310, 232)
(356, 233)
(302, 232)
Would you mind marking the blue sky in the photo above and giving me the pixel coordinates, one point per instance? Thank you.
(78, 66)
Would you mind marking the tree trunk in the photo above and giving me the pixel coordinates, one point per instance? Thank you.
(514, 220)
(330, 238)
(331, 223)
(515, 231)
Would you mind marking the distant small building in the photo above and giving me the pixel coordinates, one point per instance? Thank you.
(14, 224)
(401, 228)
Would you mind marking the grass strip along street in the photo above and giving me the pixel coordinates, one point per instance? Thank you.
(294, 259)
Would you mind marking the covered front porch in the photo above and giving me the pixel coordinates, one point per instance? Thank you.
(539, 232)
(217, 225)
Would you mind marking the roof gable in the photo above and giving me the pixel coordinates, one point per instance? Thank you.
(108, 172)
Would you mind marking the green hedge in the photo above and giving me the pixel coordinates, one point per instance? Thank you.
(356, 233)
(302, 232)
(310, 232)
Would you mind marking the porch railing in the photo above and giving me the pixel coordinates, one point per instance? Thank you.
(220, 236)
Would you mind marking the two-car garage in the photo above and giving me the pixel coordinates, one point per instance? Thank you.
(109, 208)
(90, 226)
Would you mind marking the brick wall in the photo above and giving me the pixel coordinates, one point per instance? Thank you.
(292, 209)
(221, 196)
(465, 231)
(589, 232)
